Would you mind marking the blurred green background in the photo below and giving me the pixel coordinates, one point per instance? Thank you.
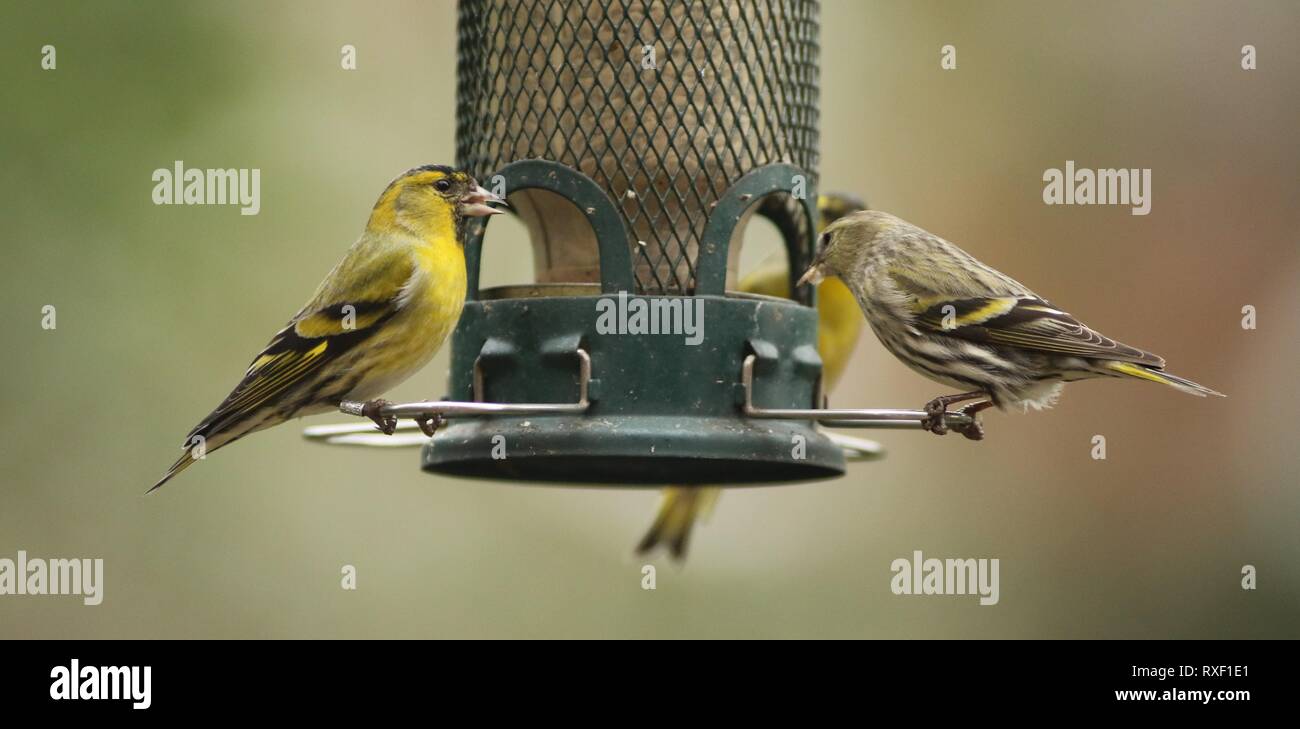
(161, 308)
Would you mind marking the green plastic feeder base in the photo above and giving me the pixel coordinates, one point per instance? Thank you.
(663, 410)
(637, 450)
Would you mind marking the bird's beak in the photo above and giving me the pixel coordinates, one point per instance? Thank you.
(813, 275)
(475, 203)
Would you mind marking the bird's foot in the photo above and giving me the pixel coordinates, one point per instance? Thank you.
(429, 425)
(974, 431)
(373, 409)
(938, 407)
(934, 412)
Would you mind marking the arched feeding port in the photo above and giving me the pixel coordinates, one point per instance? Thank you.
(634, 140)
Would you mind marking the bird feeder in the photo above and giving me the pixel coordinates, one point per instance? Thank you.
(634, 140)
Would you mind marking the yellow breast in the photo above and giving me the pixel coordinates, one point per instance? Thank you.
(433, 300)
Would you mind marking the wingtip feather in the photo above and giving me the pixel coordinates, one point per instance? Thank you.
(181, 464)
(1155, 375)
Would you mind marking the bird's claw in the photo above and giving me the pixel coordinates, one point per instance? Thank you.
(934, 420)
(373, 409)
(975, 430)
(429, 425)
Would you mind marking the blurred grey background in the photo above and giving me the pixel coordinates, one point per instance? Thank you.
(161, 308)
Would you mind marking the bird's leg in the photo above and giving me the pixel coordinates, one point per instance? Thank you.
(373, 409)
(935, 409)
(974, 431)
(429, 424)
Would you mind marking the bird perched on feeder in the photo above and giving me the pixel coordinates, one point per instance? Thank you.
(838, 327)
(966, 325)
(377, 318)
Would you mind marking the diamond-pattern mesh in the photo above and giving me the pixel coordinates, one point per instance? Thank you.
(734, 87)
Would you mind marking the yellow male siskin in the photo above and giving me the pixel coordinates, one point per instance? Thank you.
(838, 328)
(377, 318)
(966, 325)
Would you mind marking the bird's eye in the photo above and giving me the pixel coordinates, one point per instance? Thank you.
(823, 241)
(442, 185)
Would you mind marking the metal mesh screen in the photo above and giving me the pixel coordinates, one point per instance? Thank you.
(733, 86)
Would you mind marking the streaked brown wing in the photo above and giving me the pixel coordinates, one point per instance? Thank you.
(1027, 323)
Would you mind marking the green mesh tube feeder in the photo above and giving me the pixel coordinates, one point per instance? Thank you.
(635, 140)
